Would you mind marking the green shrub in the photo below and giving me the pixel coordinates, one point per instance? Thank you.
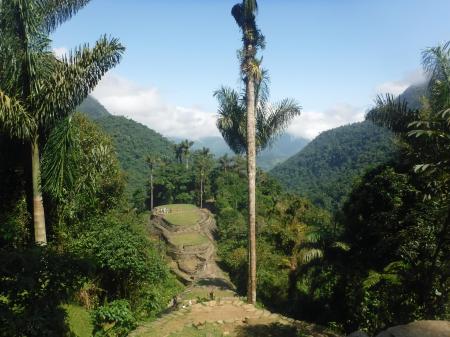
(114, 319)
(33, 285)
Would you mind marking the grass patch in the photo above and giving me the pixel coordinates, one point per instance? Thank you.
(188, 239)
(204, 293)
(182, 214)
(79, 320)
(179, 207)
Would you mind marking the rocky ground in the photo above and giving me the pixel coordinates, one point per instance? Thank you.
(227, 317)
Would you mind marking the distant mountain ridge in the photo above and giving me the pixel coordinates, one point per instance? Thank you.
(326, 169)
(133, 142)
(284, 147)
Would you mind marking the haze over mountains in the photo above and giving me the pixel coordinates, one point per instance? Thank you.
(283, 148)
(134, 141)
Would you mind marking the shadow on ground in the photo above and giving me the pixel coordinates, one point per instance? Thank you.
(272, 330)
(216, 282)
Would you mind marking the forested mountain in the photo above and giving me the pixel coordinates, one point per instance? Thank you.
(324, 171)
(93, 108)
(133, 142)
(414, 94)
(327, 168)
(284, 147)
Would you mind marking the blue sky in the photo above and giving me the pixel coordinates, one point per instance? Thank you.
(333, 56)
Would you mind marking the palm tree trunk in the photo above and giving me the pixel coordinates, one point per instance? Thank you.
(40, 235)
(201, 191)
(151, 191)
(251, 170)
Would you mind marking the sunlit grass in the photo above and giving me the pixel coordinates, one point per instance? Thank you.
(79, 320)
(204, 293)
(190, 239)
(181, 214)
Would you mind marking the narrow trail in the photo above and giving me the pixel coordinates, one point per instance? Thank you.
(225, 315)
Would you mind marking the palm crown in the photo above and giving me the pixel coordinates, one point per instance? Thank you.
(271, 119)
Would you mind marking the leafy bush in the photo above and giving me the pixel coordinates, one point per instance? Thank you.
(114, 319)
(33, 284)
(123, 256)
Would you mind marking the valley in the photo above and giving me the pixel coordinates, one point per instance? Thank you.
(155, 180)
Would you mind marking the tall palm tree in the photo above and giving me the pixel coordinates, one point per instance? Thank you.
(178, 149)
(186, 151)
(225, 162)
(204, 164)
(36, 89)
(153, 161)
(245, 120)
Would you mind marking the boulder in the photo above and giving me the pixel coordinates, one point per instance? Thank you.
(419, 329)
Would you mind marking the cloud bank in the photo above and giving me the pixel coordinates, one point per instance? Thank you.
(397, 87)
(148, 106)
(311, 123)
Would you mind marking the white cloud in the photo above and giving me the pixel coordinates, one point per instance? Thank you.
(398, 87)
(147, 106)
(60, 52)
(311, 123)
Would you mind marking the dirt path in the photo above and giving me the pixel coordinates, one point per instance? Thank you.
(229, 317)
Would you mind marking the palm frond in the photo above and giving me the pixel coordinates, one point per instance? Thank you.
(436, 63)
(231, 121)
(55, 12)
(74, 78)
(59, 159)
(308, 255)
(392, 113)
(14, 120)
(341, 245)
(272, 120)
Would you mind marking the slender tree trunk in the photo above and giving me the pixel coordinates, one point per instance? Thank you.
(151, 191)
(40, 234)
(251, 170)
(201, 191)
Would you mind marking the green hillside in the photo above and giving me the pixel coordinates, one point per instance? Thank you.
(133, 142)
(93, 108)
(324, 171)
